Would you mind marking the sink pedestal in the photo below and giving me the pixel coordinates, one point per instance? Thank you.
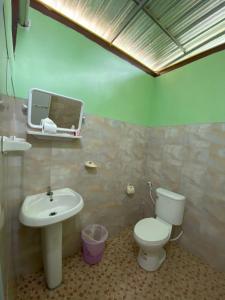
(48, 213)
(52, 254)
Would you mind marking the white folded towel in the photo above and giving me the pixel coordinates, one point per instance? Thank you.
(48, 126)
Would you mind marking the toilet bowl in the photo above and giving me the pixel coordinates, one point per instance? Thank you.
(151, 234)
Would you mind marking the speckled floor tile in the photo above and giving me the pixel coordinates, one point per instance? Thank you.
(118, 277)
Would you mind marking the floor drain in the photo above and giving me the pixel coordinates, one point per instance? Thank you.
(52, 213)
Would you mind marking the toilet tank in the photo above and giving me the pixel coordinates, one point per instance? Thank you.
(169, 206)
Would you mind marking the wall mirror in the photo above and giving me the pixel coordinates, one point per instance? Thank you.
(65, 112)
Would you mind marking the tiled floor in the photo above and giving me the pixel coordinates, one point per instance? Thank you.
(118, 276)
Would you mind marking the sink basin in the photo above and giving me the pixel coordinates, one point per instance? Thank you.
(48, 212)
(38, 210)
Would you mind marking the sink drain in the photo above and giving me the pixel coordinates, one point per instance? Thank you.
(53, 214)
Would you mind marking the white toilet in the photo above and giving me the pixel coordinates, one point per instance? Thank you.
(152, 234)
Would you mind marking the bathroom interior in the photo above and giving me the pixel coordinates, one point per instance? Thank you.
(112, 161)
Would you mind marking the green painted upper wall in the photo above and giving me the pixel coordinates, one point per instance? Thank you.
(194, 93)
(53, 57)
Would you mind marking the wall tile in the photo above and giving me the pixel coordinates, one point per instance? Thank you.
(118, 149)
(10, 187)
(191, 161)
(186, 159)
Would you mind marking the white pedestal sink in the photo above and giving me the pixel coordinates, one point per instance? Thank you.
(48, 213)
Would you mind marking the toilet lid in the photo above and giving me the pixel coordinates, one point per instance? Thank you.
(150, 229)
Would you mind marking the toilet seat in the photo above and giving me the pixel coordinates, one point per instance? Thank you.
(153, 231)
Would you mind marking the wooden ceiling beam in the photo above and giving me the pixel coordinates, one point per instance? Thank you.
(69, 23)
(193, 58)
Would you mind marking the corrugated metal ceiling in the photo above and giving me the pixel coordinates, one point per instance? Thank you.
(157, 33)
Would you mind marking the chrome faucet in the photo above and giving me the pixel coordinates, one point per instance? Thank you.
(49, 193)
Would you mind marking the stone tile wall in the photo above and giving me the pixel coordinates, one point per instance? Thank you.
(185, 159)
(3, 236)
(191, 160)
(118, 149)
(7, 270)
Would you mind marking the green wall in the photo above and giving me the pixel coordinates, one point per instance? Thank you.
(53, 57)
(194, 93)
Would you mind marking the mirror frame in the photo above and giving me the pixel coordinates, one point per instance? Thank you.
(29, 111)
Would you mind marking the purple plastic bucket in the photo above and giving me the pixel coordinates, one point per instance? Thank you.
(93, 238)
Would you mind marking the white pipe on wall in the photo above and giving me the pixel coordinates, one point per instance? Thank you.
(24, 13)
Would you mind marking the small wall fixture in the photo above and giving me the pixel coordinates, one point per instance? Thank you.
(130, 189)
(12, 143)
(90, 164)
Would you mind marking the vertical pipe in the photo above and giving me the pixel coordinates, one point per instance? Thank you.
(24, 13)
(52, 254)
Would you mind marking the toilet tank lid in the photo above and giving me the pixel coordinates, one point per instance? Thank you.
(169, 194)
